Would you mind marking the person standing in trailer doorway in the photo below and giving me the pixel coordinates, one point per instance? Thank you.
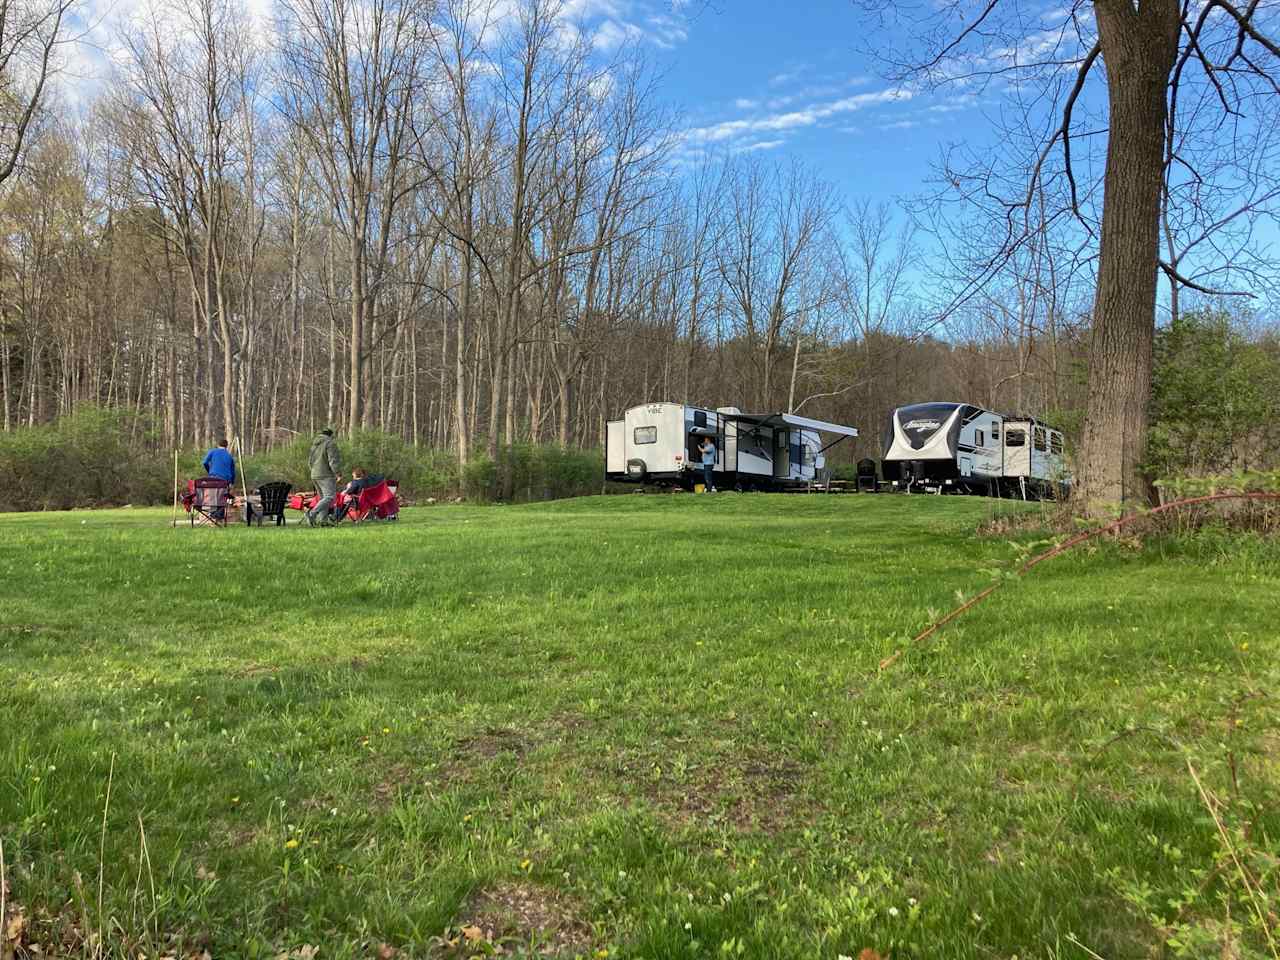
(708, 450)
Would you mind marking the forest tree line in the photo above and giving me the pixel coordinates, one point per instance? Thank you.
(465, 227)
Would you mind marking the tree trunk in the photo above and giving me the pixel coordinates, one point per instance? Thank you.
(4, 378)
(1139, 45)
(357, 332)
(460, 363)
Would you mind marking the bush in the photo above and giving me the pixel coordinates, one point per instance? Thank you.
(1215, 399)
(101, 457)
(422, 473)
(479, 478)
(525, 472)
(90, 458)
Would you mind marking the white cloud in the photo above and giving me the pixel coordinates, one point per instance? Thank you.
(795, 119)
(760, 145)
(742, 103)
(612, 23)
(612, 34)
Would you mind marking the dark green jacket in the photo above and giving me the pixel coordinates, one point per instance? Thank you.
(324, 458)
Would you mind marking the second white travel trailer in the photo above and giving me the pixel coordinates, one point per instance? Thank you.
(960, 447)
(658, 443)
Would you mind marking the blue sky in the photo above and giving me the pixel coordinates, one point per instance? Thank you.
(749, 76)
(755, 76)
(746, 75)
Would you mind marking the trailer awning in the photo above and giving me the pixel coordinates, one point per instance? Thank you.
(776, 420)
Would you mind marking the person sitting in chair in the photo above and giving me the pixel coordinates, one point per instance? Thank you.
(360, 480)
(219, 463)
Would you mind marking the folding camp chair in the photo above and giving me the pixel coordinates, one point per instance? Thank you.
(211, 501)
(867, 476)
(378, 502)
(273, 498)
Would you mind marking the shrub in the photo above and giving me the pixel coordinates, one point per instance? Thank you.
(1215, 399)
(479, 478)
(100, 457)
(421, 472)
(92, 457)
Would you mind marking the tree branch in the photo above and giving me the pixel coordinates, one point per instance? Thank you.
(1175, 276)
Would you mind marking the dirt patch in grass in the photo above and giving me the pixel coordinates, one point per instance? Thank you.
(251, 671)
(397, 777)
(473, 753)
(490, 742)
(757, 791)
(528, 916)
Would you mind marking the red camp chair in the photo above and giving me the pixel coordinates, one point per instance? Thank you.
(303, 500)
(378, 502)
(210, 501)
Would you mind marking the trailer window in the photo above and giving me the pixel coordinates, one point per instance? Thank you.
(995, 431)
(979, 438)
(1015, 438)
(810, 455)
(1055, 443)
(645, 435)
(1041, 443)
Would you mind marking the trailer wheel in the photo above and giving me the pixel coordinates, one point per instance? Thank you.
(637, 470)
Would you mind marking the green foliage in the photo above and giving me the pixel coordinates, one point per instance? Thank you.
(93, 457)
(101, 457)
(1242, 481)
(549, 472)
(1070, 420)
(542, 703)
(421, 472)
(527, 472)
(479, 478)
(1215, 399)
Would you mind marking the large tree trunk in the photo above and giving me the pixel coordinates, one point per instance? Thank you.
(1139, 45)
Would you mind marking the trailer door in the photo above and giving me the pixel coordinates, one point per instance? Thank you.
(615, 450)
(781, 454)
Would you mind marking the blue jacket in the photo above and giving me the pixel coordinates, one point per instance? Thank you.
(218, 462)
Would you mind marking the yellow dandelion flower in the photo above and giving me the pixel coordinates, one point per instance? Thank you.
(526, 864)
(290, 844)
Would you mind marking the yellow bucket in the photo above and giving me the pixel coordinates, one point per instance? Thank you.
(699, 488)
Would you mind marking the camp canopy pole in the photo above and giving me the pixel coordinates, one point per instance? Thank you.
(239, 462)
(175, 489)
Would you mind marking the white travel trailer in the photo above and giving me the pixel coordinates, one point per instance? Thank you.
(658, 443)
(957, 446)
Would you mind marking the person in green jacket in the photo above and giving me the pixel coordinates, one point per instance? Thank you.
(326, 463)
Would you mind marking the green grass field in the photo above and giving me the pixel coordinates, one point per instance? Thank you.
(646, 726)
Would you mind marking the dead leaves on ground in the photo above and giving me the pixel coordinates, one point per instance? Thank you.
(522, 919)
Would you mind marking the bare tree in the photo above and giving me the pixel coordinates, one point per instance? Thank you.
(350, 73)
(776, 218)
(187, 112)
(30, 32)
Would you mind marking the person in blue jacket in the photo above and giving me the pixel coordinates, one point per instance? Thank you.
(219, 463)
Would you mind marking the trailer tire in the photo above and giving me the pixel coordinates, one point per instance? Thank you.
(637, 470)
